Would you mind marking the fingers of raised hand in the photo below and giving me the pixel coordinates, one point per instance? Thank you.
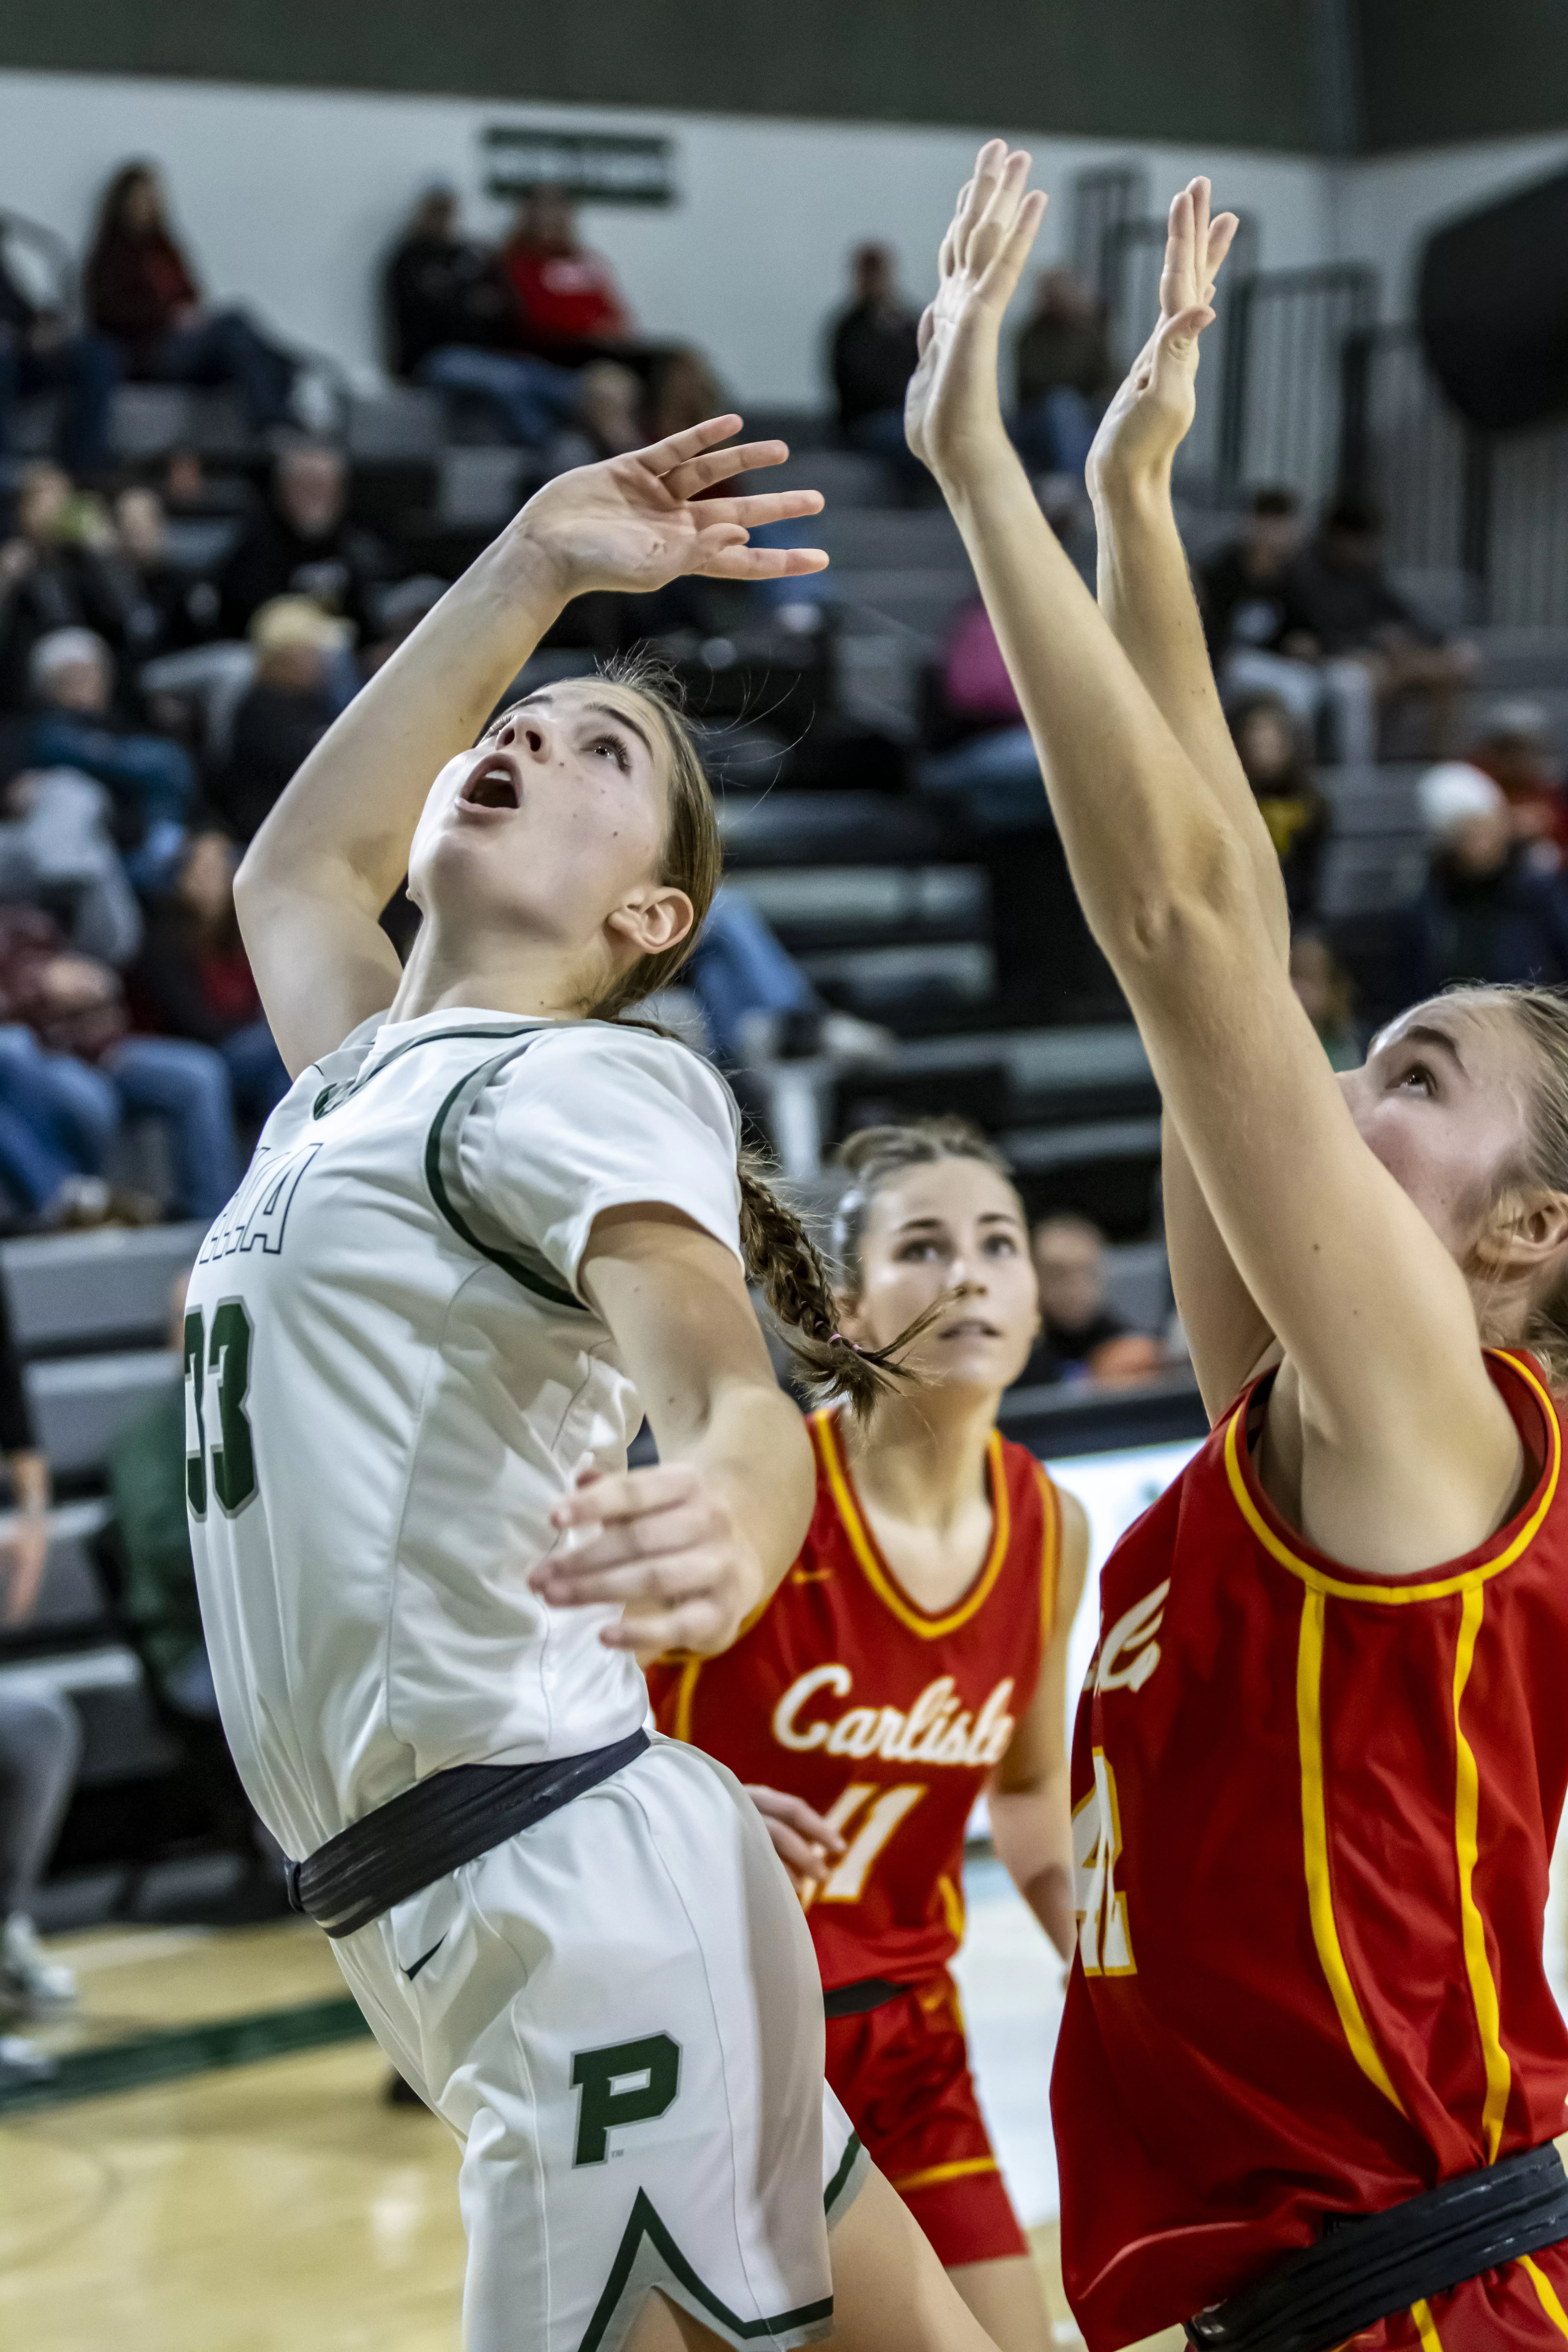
(750, 513)
(663, 456)
(738, 562)
(694, 474)
(975, 195)
(993, 227)
(1221, 237)
(1006, 266)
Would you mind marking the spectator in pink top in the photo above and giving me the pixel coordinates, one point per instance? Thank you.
(984, 757)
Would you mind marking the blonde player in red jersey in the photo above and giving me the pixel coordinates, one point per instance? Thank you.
(1311, 2069)
(914, 1657)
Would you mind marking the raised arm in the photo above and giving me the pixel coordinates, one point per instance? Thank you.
(1419, 1454)
(330, 855)
(1145, 593)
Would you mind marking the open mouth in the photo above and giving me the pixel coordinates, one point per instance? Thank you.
(492, 782)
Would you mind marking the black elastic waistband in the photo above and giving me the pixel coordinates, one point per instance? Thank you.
(1365, 2269)
(855, 2000)
(436, 1827)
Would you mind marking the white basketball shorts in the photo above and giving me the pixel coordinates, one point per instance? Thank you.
(619, 2013)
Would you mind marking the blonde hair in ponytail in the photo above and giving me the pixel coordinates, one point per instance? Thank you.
(781, 1258)
(1543, 1012)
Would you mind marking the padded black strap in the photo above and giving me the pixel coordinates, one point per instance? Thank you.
(1365, 2269)
(436, 1826)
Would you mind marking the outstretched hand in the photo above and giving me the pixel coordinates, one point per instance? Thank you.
(951, 412)
(634, 522)
(1151, 414)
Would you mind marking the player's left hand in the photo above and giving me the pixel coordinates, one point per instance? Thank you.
(664, 1544)
(1151, 414)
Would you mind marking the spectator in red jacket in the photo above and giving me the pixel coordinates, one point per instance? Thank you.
(140, 290)
(570, 306)
(195, 978)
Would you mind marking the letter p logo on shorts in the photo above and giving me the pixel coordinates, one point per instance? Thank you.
(630, 2083)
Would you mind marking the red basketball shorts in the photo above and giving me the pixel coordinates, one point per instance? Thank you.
(902, 2074)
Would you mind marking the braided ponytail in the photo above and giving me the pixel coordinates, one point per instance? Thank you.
(786, 1265)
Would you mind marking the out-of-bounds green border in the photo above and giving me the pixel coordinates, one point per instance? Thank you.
(184, 2049)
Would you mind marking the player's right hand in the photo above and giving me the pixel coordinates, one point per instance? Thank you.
(636, 523)
(807, 1845)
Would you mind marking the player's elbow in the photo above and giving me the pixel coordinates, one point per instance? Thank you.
(1181, 905)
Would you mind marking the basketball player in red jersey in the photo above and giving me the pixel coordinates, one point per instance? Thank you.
(1310, 2068)
(915, 1655)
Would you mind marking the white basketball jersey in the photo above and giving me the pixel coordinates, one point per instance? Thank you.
(391, 1378)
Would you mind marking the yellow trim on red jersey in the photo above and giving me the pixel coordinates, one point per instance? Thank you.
(951, 1905)
(960, 2170)
(1466, 1842)
(1546, 2294)
(1426, 2326)
(1050, 1551)
(685, 1692)
(1466, 1580)
(1315, 1847)
(879, 1576)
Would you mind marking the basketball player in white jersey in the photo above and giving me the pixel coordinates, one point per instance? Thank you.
(487, 1228)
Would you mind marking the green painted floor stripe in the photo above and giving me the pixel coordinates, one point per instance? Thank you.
(186, 2050)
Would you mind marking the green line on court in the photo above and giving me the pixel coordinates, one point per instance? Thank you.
(167, 2056)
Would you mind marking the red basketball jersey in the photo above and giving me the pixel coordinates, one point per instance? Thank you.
(1314, 1815)
(884, 1719)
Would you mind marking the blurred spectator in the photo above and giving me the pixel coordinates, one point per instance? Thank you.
(151, 1537)
(1081, 1335)
(873, 353)
(1340, 608)
(150, 779)
(40, 1732)
(57, 853)
(49, 577)
(1515, 750)
(283, 715)
(451, 312)
(147, 1486)
(683, 392)
(1272, 748)
(609, 418)
(1327, 996)
(991, 768)
(303, 544)
(755, 1001)
(569, 306)
(38, 353)
(193, 978)
(166, 608)
(65, 1037)
(1487, 913)
(140, 290)
(1065, 374)
(1241, 587)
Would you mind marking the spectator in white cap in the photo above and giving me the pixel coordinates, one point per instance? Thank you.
(298, 693)
(150, 778)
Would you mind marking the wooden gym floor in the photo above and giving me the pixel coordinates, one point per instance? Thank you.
(238, 2207)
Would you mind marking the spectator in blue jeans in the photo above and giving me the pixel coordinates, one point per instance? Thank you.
(150, 778)
(38, 353)
(449, 307)
(66, 1044)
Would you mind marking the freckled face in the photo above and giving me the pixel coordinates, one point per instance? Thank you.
(952, 1224)
(1442, 1100)
(552, 821)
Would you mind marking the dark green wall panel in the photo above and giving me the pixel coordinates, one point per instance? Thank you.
(1238, 73)
(1439, 71)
